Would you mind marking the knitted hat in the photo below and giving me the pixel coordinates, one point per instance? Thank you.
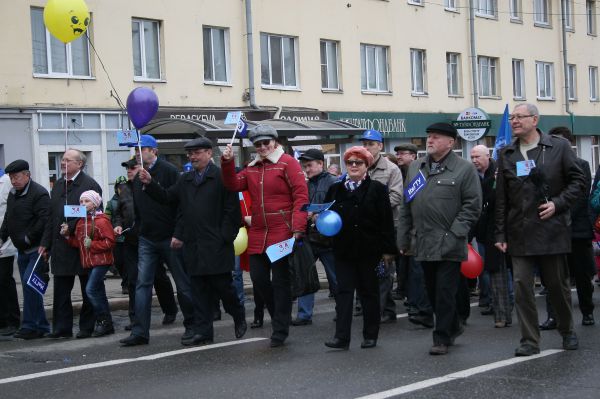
(92, 196)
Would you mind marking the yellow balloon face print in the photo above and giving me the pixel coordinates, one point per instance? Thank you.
(66, 19)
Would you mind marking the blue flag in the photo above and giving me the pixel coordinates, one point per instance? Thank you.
(35, 281)
(504, 135)
(242, 128)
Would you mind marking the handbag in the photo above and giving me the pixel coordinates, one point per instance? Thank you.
(303, 270)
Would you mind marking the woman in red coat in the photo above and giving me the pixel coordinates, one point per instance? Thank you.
(278, 190)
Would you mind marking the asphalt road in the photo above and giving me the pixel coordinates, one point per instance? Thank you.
(480, 365)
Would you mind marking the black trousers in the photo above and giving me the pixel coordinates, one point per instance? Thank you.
(442, 280)
(162, 283)
(205, 289)
(119, 255)
(463, 299)
(62, 309)
(359, 275)
(276, 291)
(10, 315)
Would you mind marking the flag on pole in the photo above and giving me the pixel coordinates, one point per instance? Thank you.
(127, 137)
(242, 128)
(297, 154)
(504, 135)
(35, 281)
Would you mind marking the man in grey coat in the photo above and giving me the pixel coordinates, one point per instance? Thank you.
(442, 203)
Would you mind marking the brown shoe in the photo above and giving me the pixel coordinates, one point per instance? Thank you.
(500, 324)
(440, 349)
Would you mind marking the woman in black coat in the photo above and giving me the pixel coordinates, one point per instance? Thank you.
(366, 237)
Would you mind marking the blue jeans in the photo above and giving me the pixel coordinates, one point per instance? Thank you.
(34, 315)
(238, 281)
(97, 293)
(306, 303)
(151, 254)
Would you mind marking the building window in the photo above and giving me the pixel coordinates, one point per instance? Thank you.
(590, 16)
(51, 57)
(416, 2)
(216, 54)
(541, 12)
(329, 65)
(593, 72)
(515, 10)
(486, 8)
(572, 77)
(278, 61)
(488, 76)
(453, 74)
(450, 5)
(145, 37)
(418, 71)
(545, 80)
(374, 68)
(567, 9)
(518, 73)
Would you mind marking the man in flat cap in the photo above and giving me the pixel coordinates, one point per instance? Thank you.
(211, 216)
(442, 203)
(27, 209)
(405, 154)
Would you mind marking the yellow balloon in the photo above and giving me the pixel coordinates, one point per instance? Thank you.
(66, 19)
(240, 244)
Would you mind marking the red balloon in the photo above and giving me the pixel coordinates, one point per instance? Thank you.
(473, 266)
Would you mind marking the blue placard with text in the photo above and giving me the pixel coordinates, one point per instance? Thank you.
(413, 188)
(233, 118)
(524, 167)
(316, 208)
(280, 249)
(75, 211)
(126, 137)
(35, 281)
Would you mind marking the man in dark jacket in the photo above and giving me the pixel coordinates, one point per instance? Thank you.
(212, 218)
(538, 181)
(442, 203)
(319, 182)
(65, 263)
(26, 214)
(157, 245)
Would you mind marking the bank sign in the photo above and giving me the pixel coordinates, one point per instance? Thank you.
(472, 124)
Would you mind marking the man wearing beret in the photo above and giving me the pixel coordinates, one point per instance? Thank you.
(27, 209)
(212, 220)
(442, 203)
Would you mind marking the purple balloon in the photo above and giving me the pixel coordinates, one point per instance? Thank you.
(142, 105)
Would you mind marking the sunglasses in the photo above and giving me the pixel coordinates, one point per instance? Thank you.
(355, 162)
(261, 143)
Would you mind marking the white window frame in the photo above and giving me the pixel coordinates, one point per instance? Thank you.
(418, 60)
(378, 78)
(416, 2)
(453, 74)
(284, 84)
(545, 83)
(486, 8)
(214, 81)
(516, 10)
(593, 78)
(518, 74)
(567, 9)
(542, 11)
(572, 81)
(491, 85)
(451, 5)
(69, 57)
(325, 86)
(590, 16)
(142, 44)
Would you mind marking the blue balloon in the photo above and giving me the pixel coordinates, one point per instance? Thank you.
(329, 223)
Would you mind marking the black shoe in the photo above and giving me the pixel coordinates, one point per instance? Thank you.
(412, 310)
(169, 319)
(128, 327)
(398, 296)
(337, 343)
(103, 327)
(187, 335)
(134, 340)
(423, 320)
(25, 333)
(83, 334)
(216, 316)
(8, 330)
(59, 334)
(196, 340)
(527, 350)
(368, 343)
(438, 350)
(240, 328)
(301, 322)
(458, 333)
(544, 291)
(549, 324)
(588, 320)
(276, 343)
(570, 342)
(489, 311)
(256, 324)
(125, 290)
(357, 312)
(331, 295)
(388, 318)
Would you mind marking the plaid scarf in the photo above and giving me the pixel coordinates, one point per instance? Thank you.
(352, 185)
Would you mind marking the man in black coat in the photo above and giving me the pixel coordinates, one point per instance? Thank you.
(538, 181)
(211, 219)
(26, 214)
(64, 259)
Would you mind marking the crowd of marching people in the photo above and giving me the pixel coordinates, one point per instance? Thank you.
(530, 213)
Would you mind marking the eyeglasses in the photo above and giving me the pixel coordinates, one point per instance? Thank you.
(355, 162)
(262, 143)
(518, 117)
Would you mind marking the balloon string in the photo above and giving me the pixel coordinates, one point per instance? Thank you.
(116, 95)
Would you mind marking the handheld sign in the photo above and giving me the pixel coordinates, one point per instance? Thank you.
(233, 118)
(75, 211)
(35, 281)
(524, 167)
(280, 249)
(127, 137)
(414, 187)
(242, 128)
(316, 208)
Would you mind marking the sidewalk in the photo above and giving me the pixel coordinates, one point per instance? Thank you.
(116, 299)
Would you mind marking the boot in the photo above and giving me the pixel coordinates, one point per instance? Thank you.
(104, 326)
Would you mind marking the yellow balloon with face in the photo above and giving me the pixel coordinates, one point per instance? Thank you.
(66, 19)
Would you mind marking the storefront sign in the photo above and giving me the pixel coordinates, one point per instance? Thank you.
(472, 124)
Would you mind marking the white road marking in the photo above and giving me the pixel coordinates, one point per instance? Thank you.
(123, 361)
(457, 375)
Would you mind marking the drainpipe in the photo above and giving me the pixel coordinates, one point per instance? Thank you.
(566, 64)
(249, 44)
(475, 76)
